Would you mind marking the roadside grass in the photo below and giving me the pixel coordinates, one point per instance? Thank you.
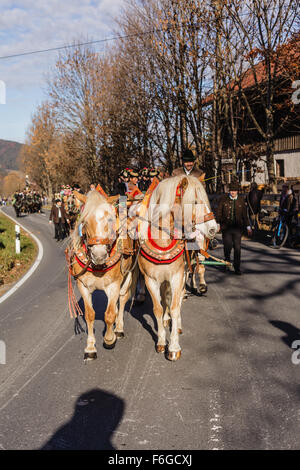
(13, 266)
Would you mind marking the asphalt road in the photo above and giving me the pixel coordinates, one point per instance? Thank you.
(235, 386)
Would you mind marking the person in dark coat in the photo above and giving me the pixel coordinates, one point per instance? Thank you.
(232, 216)
(288, 204)
(188, 167)
(153, 173)
(60, 218)
(144, 180)
(121, 187)
(254, 203)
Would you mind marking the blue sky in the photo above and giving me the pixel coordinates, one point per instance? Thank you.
(27, 25)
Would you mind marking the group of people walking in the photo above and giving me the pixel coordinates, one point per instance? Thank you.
(27, 201)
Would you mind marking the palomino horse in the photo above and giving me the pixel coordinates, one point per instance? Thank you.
(161, 258)
(99, 263)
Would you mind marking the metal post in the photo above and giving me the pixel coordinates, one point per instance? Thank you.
(18, 238)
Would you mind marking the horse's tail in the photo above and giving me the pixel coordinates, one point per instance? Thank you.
(133, 284)
(166, 296)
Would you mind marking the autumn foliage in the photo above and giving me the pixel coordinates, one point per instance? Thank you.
(145, 99)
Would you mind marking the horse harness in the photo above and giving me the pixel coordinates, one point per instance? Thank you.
(148, 248)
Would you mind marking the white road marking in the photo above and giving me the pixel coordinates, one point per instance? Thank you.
(33, 267)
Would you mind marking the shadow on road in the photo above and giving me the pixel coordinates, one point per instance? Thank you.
(138, 311)
(96, 416)
(292, 333)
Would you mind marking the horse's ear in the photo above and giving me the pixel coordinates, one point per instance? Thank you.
(80, 197)
(113, 199)
(202, 178)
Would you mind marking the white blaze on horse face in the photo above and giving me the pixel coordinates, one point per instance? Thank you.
(212, 228)
(195, 226)
(103, 228)
(99, 254)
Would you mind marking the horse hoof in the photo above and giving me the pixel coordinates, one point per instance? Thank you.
(90, 356)
(203, 288)
(119, 334)
(160, 348)
(174, 355)
(179, 331)
(109, 346)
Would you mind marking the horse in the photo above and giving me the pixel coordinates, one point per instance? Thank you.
(177, 203)
(98, 262)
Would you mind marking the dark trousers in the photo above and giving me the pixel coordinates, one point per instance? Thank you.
(232, 238)
(59, 230)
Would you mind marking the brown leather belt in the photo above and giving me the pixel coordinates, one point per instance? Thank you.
(99, 241)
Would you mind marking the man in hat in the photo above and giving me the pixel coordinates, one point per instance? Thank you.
(189, 167)
(77, 188)
(254, 203)
(121, 187)
(232, 216)
(133, 179)
(153, 173)
(60, 218)
(144, 179)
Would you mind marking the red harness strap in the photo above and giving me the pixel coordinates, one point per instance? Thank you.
(166, 248)
(157, 261)
(94, 269)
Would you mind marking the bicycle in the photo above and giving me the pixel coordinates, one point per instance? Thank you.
(281, 230)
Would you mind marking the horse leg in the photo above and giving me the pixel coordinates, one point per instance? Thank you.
(141, 292)
(166, 297)
(200, 270)
(154, 290)
(127, 291)
(167, 318)
(179, 318)
(177, 287)
(112, 292)
(90, 351)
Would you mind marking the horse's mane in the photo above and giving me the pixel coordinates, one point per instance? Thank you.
(93, 201)
(164, 195)
(195, 192)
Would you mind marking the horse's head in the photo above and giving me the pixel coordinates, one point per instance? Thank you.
(98, 227)
(198, 217)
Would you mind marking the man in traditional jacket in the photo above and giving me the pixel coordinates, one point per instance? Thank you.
(254, 203)
(144, 179)
(60, 218)
(121, 186)
(232, 216)
(188, 167)
(133, 180)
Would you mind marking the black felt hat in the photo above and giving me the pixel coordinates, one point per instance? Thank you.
(234, 186)
(188, 156)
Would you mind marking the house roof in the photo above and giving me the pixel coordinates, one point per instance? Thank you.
(289, 60)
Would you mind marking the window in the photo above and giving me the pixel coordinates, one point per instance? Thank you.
(279, 167)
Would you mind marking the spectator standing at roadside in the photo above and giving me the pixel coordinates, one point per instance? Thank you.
(59, 217)
(231, 214)
(254, 203)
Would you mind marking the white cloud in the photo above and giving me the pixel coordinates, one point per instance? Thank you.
(27, 25)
